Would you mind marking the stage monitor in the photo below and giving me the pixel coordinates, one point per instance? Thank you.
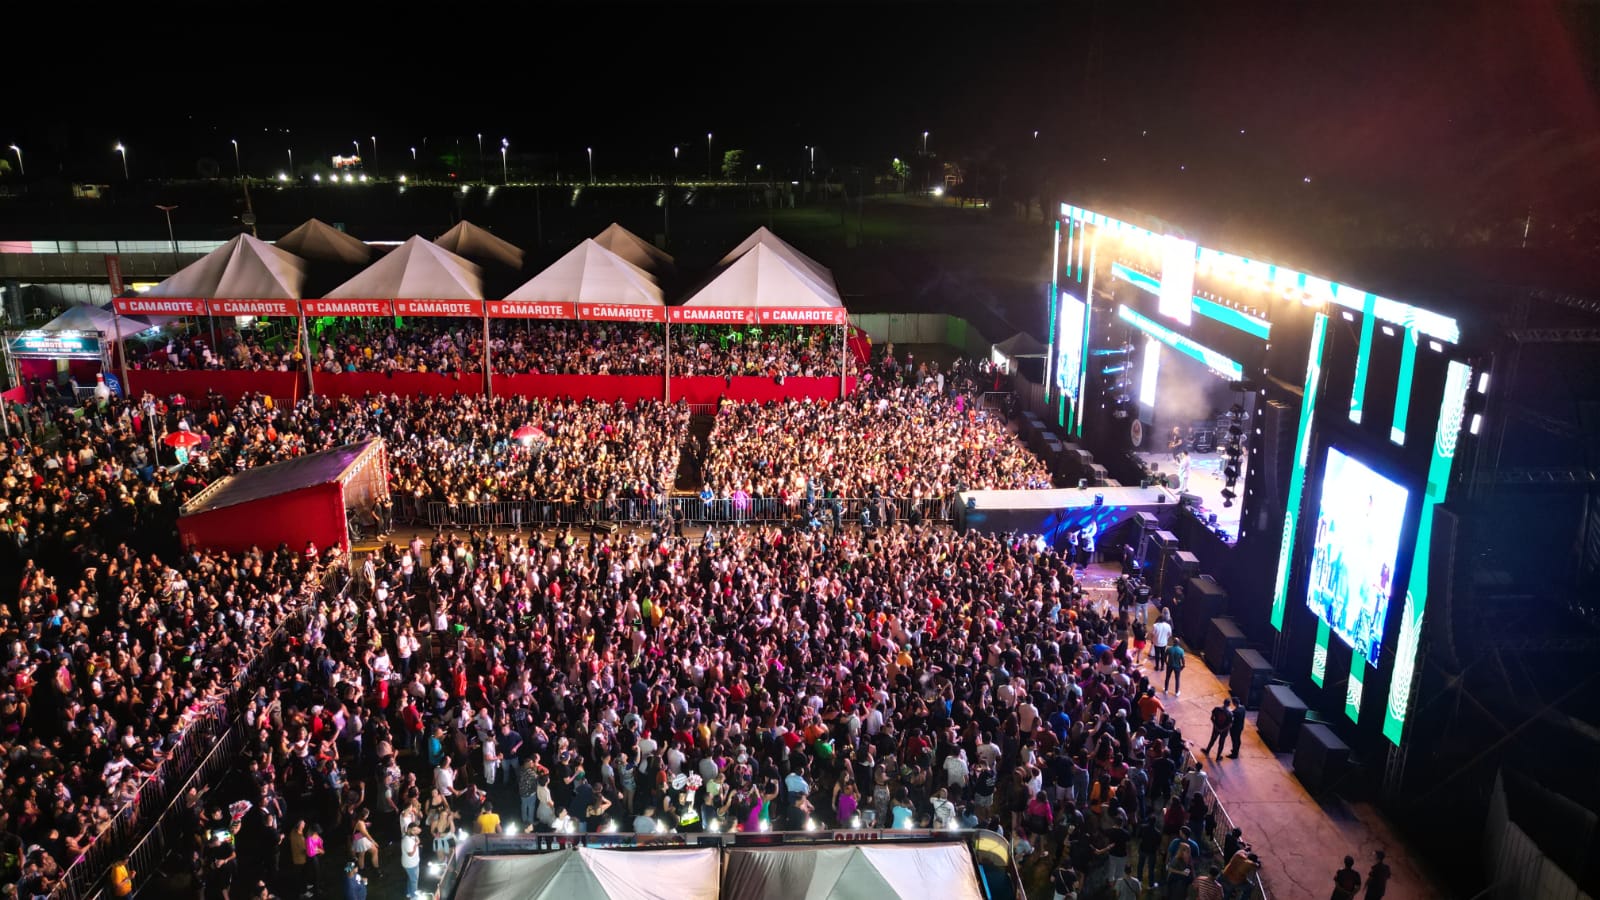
(1177, 278)
(1069, 344)
(1353, 560)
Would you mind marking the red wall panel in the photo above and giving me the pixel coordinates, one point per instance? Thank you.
(230, 384)
(314, 514)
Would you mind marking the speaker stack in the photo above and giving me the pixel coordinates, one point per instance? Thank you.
(1203, 600)
(1277, 451)
(1222, 638)
(1282, 714)
(1248, 676)
(1161, 544)
(1319, 757)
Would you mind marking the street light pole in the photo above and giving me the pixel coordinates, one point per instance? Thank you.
(291, 162)
(711, 166)
(238, 167)
(505, 173)
(21, 169)
(374, 155)
(924, 143)
(124, 151)
(481, 176)
(591, 165)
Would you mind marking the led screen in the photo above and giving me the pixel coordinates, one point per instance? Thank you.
(1352, 565)
(1069, 345)
(1177, 278)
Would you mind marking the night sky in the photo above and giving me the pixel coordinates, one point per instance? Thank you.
(1473, 111)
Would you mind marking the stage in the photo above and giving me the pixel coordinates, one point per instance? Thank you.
(1205, 482)
(1055, 512)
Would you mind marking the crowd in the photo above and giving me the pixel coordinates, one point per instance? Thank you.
(923, 435)
(453, 346)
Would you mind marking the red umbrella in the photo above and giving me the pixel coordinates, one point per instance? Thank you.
(184, 439)
(527, 433)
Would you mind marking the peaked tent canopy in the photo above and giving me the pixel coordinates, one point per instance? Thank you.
(477, 244)
(585, 874)
(763, 236)
(589, 273)
(245, 268)
(851, 873)
(83, 317)
(416, 270)
(766, 277)
(317, 241)
(635, 249)
(1020, 345)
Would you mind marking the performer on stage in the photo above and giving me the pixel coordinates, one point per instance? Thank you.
(1183, 472)
(1175, 443)
(1086, 542)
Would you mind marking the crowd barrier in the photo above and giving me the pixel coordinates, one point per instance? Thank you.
(520, 514)
(140, 830)
(288, 386)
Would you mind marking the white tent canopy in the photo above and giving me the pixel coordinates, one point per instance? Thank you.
(585, 874)
(766, 277)
(245, 268)
(634, 249)
(416, 270)
(763, 236)
(851, 873)
(589, 273)
(477, 244)
(93, 318)
(318, 241)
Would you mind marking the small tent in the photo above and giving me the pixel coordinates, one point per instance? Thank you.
(585, 874)
(83, 317)
(1019, 346)
(301, 499)
(318, 242)
(468, 241)
(851, 872)
(244, 268)
(589, 273)
(416, 270)
(763, 237)
(636, 250)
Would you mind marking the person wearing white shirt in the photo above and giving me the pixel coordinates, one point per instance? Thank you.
(1160, 638)
(955, 770)
(874, 722)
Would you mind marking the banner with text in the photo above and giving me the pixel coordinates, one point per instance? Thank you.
(606, 312)
(255, 307)
(531, 309)
(348, 307)
(711, 315)
(465, 308)
(802, 316)
(159, 306)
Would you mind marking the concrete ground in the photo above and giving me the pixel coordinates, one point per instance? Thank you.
(1302, 840)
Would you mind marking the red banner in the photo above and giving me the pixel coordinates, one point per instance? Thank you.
(348, 307)
(800, 316)
(606, 312)
(255, 307)
(711, 315)
(465, 308)
(159, 306)
(531, 309)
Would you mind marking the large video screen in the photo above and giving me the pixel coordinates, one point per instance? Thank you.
(1069, 344)
(1358, 539)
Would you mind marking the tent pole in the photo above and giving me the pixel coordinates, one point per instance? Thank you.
(488, 373)
(305, 345)
(216, 350)
(122, 353)
(844, 355)
(666, 346)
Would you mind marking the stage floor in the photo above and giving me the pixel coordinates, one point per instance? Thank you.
(1206, 482)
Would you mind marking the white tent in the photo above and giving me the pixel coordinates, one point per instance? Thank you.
(634, 249)
(766, 277)
(416, 270)
(93, 318)
(477, 244)
(1019, 346)
(763, 237)
(585, 874)
(244, 268)
(855, 872)
(589, 273)
(318, 241)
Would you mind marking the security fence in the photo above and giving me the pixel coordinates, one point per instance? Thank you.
(820, 512)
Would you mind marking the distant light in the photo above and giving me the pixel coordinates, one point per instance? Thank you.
(1388, 331)
(1241, 131)
(1435, 346)
(511, 830)
(363, 178)
(316, 177)
(402, 179)
(282, 177)
(938, 192)
(1183, 168)
(1483, 383)
(1306, 179)
(1349, 316)
(348, 177)
(1477, 422)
